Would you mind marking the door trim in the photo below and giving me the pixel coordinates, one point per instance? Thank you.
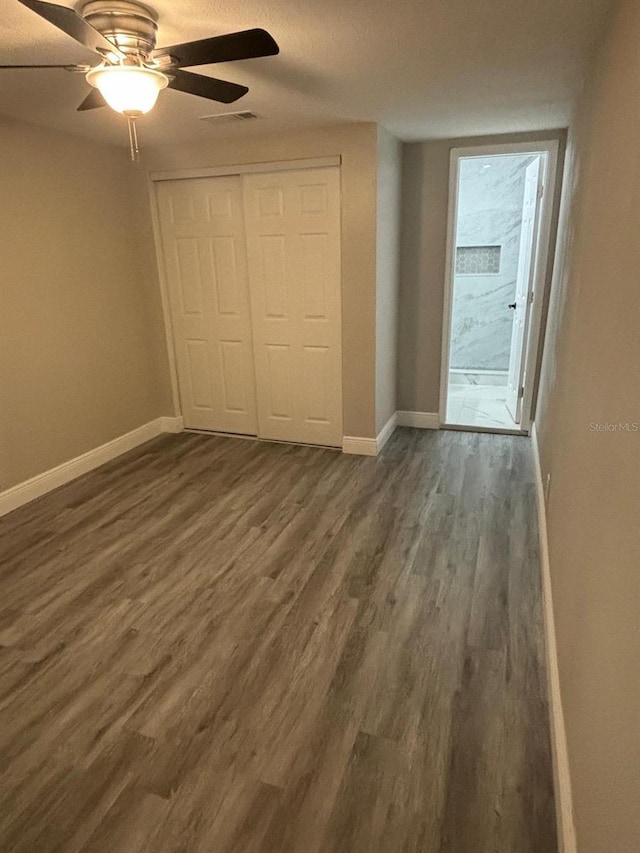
(543, 246)
(154, 205)
(248, 169)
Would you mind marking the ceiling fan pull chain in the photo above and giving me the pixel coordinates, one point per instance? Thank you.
(133, 140)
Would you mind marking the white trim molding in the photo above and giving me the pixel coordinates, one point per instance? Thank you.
(249, 168)
(387, 431)
(561, 773)
(421, 420)
(41, 484)
(373, 446)
(171, 424)
(359, 446)
(370, 446)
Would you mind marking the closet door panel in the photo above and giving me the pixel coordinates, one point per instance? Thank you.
(203, 239)
(293, 249)
(277, 388)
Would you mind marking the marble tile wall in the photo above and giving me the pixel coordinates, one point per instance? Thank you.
(489, 213)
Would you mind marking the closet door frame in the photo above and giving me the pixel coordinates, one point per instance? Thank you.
(189, 174)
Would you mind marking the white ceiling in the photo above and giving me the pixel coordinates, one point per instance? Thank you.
(423, 68)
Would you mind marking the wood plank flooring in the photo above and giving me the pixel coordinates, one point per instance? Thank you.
(216, 645)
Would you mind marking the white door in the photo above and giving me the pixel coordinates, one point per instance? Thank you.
(205, 260)
(524, 286)
(293, 249)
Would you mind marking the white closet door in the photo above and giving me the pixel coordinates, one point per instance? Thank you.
(293, 248)
(205, 261)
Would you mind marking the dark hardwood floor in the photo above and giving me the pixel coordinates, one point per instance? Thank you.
(221, 646)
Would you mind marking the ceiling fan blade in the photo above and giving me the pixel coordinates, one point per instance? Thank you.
(69, 67)
(207, 87)
(248, 44)
(93, 101)
(73, 25)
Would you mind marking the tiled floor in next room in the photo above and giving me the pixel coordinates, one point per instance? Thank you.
(479, 405)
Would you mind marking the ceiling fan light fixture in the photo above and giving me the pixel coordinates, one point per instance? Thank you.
(128, 89)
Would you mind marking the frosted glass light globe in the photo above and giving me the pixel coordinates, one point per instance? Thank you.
(128, 89)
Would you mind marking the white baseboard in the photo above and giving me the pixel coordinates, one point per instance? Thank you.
(561, 774)
(171, 424)
(370, 446)
(39, 485)
(421, 420)
(373, 446)
(387, 431)
(359, 446)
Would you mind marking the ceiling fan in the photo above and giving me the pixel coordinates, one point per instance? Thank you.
(132, 71)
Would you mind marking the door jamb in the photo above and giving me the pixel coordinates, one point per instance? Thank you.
(543, 246)
(164, 295)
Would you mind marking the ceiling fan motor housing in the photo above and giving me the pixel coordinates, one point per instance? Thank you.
(131, 26)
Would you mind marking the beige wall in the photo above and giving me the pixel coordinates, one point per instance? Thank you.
(425, 199)
(76, 361)
(591, 375)
(83, 348)
(387, 273)
(357, 145)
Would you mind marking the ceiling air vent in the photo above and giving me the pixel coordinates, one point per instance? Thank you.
(219, 118)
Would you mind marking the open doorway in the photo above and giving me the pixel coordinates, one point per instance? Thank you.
(498, 245)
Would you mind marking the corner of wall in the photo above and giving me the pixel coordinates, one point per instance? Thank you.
(79, 367)
(388, 214)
